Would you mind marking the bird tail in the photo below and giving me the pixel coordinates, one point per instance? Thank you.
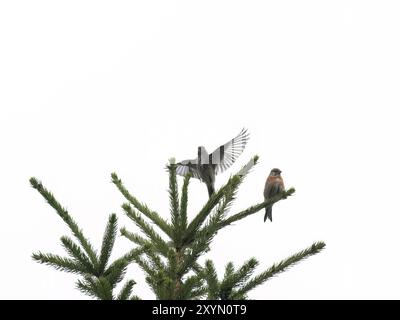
(211, 189)
(268, 213)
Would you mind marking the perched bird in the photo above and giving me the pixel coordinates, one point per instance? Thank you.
(206, 166)
(273, 186)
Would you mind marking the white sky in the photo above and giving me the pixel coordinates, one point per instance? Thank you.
(91, 87)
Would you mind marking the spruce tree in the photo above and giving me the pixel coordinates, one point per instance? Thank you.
(168, 251)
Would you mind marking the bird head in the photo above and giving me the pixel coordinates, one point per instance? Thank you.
(275, 172)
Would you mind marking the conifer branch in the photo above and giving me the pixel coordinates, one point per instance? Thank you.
(244, 272)
(146, 228)
(144, 243)
(253, 209)
(104, 289)
(229, 269)
(211, 277)
(135, 238)
(87, 286)
(154, 278)
(210, 229)
(155, 260)
(246, 169)
(192, 288)
(173, 266)
(77, 254)
(152, 215)
(126, 259)
(126, 290)
(225, 286)
(115, 274)
(233, 279)
(198, 247)
(145, 266)
(174, 200)
(98, 288)
(184, 202)
(63, 213)
(205, 235)
(196, 223)
(97, 280)
(60, 263)
(197, 293)
(108, 242)
(280, 267)
(236, 284)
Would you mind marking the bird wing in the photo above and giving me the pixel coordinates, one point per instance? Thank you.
(224, 156)
(187, 166)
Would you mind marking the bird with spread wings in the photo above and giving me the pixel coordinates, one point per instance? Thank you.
(206, 166)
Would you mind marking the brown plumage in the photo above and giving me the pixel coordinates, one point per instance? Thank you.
(273, 186)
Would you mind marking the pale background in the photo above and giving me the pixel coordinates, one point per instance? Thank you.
(91, 87)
